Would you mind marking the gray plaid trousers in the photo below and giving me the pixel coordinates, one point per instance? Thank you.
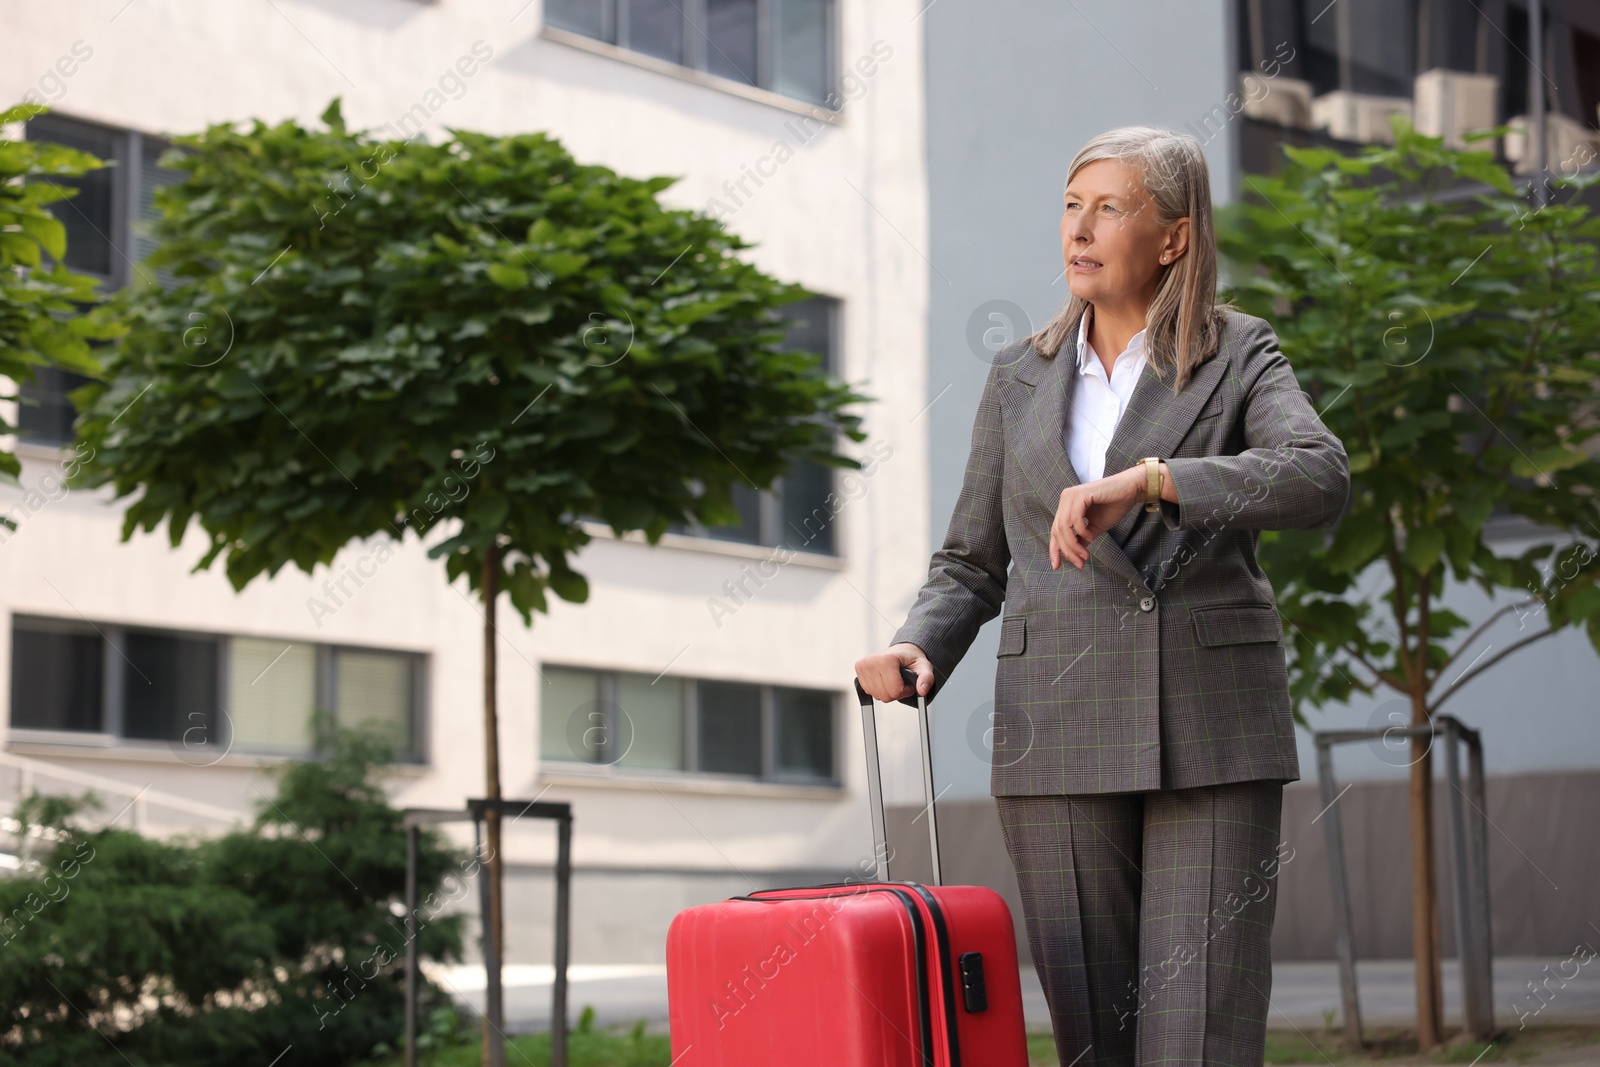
(1149, 916)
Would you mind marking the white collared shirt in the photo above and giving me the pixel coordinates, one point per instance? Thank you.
(1098, 404)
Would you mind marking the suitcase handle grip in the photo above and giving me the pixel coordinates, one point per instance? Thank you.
(869, 732)
(907, 675)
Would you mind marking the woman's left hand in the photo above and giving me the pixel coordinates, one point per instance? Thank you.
(1089, 510)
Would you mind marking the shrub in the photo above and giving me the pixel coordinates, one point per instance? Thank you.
(118, 949)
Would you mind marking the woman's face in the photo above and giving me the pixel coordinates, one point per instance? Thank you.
(1111, 243)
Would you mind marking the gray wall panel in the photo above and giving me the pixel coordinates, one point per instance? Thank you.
(1544, 874)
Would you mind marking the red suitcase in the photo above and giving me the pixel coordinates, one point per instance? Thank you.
(866, 974)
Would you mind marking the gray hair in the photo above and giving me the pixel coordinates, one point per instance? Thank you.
(1184, 322)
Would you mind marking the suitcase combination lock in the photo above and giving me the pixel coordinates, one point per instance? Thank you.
(973, 994)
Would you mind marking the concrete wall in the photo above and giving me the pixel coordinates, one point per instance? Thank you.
(1544, 889)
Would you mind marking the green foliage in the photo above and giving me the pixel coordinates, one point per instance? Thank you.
(1450, 343)
(444, 1029)
(368, 337)
(42, 323)
(124, 950)
(42, 816)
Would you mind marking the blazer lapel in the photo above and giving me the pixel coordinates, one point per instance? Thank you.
(1042, 416)
(1041, 450)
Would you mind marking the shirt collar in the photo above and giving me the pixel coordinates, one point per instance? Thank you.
(1135, 346)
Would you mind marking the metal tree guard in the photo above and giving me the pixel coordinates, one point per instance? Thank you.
(414, 819)
(1470, 840)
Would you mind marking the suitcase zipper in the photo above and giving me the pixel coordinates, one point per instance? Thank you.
(942, 937)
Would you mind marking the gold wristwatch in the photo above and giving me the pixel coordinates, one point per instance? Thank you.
(1152, 483)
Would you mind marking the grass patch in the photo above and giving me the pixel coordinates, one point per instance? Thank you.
(1389, 1046)
(449, 1041)
(1041, 1047)
(1394, 1046)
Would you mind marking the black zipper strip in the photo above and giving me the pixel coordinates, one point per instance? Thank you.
(924, 1009)
(946, 970)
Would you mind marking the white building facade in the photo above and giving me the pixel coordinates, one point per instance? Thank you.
(738, 761)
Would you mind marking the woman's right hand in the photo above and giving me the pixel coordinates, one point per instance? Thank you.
(879, 673)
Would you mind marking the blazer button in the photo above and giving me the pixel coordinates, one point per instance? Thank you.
(1147, 603)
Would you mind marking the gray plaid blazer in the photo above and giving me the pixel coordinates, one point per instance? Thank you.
(1161, 664)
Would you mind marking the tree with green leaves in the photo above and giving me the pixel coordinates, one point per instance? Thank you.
(49, 314)
(482, 337)
(1450, 341)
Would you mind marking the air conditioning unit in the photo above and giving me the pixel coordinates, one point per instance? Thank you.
(1359, 117)
(1569, 145)
(1280, 101)
(1450, 103)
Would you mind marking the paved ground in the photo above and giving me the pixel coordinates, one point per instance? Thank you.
(1301, 993)
(618, 993)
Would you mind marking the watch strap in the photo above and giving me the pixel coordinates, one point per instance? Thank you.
(1152, 483)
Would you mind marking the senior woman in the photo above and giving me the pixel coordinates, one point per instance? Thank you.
(1142, 727)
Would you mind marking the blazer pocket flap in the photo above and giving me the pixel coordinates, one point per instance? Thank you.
(1013, 635)
(1214, 406)
(1236, 624)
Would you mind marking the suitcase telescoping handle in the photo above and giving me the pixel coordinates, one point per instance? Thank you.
(869, 730)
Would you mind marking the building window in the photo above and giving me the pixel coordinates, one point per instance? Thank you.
(1313, 73)
(803, 732)
(96, 219)
(372, 690)
(795, 512)
(57, 676)
(272, 691)
(728, 727)
(168, 685)
(781, 45)
(244, 694)
(687, 725)
(45, 413)
(107, 226)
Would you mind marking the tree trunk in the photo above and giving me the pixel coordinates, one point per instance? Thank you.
(492, 1041)
(1424, 891)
